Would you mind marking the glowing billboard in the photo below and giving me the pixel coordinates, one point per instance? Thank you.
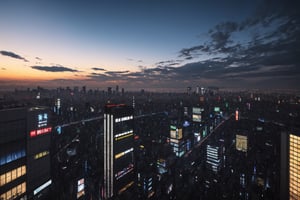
(217, 109)
(196, 118)
(41, 131)
(241, 143)
(80, 188)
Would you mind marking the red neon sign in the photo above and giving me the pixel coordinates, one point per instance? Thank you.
(236, 115)
(40, 131)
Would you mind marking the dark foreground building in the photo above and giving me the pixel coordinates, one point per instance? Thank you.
(290, 165)
(25, 137)
(118, 149)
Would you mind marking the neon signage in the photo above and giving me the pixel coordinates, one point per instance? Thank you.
(124, 118)
(41, 131)
(42, 120)
(40, 188)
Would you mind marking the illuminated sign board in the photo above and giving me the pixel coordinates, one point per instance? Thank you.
(241, 143)
(175, 132)
(42, 120)
(197, 137)
(236, 115)
(217, 109)
(123, 119)
(196, 118)
(41, 131)
(197, 110)
(80, 188)
(40, 188)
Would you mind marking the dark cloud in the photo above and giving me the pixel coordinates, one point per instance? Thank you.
(271, 54)
(98, 69)
(135, 60)
(3, 68)
(268, 55)
(38, 58)
(116, 72)
(187, 52)
(168, 63)
(12, 55)
(54, 68)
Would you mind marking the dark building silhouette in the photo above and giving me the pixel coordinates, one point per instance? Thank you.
(25, 138)
(118, 149)
(290, 165)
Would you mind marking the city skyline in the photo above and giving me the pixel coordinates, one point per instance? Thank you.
(155, 45)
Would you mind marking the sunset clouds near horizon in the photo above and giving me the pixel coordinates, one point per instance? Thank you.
(150, 44)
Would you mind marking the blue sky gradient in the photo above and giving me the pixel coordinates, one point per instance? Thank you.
(155, 44)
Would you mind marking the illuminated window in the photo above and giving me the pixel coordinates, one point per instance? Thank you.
(23, 169)
(8, 194)
(294, 167)
(12, 157)
(123, 153)
(8, 177)
(19, 170)
(40, 155)
(12, 175)
(2, 179)
(14, 192)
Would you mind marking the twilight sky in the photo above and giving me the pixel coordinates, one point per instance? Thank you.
(157, 45)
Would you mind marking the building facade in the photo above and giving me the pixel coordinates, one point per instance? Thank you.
(118, 149)
(25, 138)
(290, 165)
(213, 158)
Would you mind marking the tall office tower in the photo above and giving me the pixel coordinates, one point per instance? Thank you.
(24, 153)
(290, 165)
(176, 140)
(118, 149)
(13, 154)
(213, 158)
(197, 126)
(38, 151)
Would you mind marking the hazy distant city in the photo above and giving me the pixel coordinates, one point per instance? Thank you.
(199, 144)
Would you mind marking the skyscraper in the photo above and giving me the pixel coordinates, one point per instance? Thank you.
(294, 166)
(25, 137)
(213, 158)
(290, 165)
(118, 149)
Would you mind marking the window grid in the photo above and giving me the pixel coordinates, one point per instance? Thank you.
(294, 167)
(14, 192)
(12, 175)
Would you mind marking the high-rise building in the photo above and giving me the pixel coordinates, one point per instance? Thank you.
(241, 142)
(176, 140)
(118, 149)
(213, 158)
(39, 131)
(24, 153)
(13, 154)
(290, 165)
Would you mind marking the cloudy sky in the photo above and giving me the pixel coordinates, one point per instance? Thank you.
(157, 45)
